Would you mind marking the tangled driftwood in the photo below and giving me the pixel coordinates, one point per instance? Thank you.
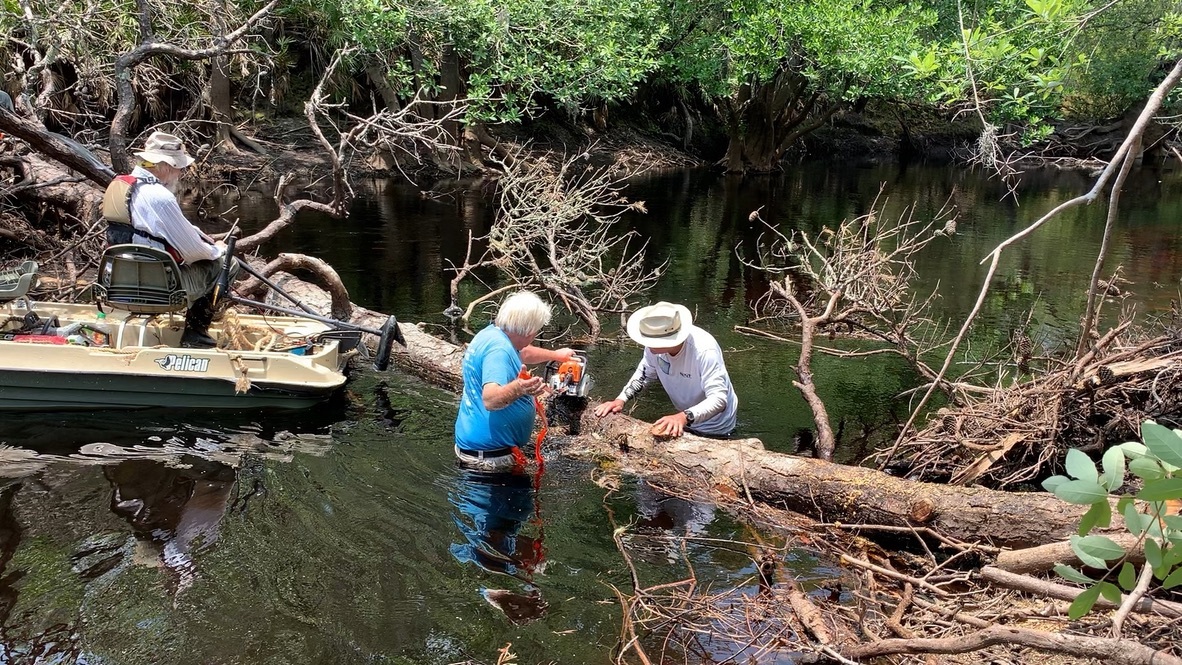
(1019, 434)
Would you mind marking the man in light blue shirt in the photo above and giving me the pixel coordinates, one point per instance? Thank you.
(496, 412)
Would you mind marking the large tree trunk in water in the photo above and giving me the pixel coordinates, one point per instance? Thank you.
(819, 489)
(377, 76)
(822, 490)
(766, 119)
(221, 105)
(455, 88)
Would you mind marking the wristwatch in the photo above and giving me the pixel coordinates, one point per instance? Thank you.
(689, 417)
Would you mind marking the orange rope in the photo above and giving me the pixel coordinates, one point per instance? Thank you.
(541, 411)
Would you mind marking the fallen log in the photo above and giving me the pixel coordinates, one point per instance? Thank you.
(1122, 652)
(1058, 591)
(822, 490)
(1044, 557)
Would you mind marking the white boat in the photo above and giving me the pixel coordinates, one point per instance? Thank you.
(71, 356)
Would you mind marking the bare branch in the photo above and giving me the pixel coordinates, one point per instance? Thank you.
(555, 228)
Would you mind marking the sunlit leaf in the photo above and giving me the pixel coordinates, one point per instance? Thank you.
(1081, 467)
(1100, 547)
(1133, 449)
(1136, 521)
(1163, 442)
(1114, 468)
(1161, 489)
(1071, 574)
(1087, 558)
(1173, 579)
(1110, 592)
(1100, 514)
(1153, 555)
(1127, 576)
(1146, 468)
(1081, 492)
(1054, 481)
(1083, 602)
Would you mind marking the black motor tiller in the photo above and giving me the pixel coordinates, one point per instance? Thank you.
(387, 334)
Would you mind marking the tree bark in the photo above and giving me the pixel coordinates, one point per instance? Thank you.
(377, 76)
(56, 146)
(1044, 557)
(1033, 585)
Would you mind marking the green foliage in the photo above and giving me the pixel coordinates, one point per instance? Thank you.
(845, 49)
(572, 51)
(1157, 462)
(1037, 60)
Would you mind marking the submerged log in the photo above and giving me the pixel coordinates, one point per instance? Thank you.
(835, 492)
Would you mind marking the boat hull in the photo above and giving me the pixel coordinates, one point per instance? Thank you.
(142, 366)
(55, 391)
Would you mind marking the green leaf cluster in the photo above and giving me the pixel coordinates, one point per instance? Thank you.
(1031, 61)
(509, 52)
(845, 49)
(1157, 462)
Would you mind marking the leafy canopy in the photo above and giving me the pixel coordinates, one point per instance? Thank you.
(1034, 60)
(573, 51)
(845, 49)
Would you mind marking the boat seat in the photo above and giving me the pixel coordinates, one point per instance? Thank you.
(17, 282)
(142, 281)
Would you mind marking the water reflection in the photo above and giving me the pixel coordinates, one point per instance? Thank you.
(174, 513)
(491, 512)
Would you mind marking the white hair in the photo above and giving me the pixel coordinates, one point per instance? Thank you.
(523, 313)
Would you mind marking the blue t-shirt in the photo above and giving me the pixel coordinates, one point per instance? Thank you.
(491, 358)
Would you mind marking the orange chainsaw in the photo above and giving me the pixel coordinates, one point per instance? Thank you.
(568, 377)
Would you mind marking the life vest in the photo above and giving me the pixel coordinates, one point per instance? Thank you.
(117, 211)
(117, 199)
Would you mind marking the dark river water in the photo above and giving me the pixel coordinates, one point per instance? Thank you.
(345, 533)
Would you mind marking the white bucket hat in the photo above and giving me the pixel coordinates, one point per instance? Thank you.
(166, 149)
(662, 325)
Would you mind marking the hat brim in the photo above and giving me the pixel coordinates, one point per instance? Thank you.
(161, 158)
(665, 342)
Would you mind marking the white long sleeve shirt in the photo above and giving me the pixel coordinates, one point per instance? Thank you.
(695, 380)
(155, 209)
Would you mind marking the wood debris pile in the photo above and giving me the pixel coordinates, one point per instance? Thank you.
(1014, 436)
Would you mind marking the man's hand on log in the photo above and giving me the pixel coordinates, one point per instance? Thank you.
(673, 425)
(614, 406)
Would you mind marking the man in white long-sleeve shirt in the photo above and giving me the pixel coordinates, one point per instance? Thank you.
(157, 221)
(688, 363)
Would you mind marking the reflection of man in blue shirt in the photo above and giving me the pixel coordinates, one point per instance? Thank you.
(490, 511)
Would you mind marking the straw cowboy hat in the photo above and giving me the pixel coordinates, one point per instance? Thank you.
(662, 325)
(164, 148)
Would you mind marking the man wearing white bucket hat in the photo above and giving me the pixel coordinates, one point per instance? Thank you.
(688, 363)
(153, 217)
